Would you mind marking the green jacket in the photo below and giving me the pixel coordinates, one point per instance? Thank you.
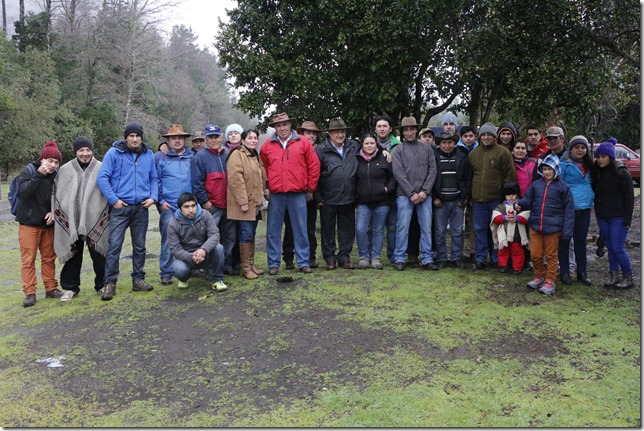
(491, 166)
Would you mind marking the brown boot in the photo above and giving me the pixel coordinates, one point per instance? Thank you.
(245, 250)
(256, 270)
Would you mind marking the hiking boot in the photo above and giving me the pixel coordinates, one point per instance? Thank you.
(399, 266)
(478, 266)
(375, 263)
(67, 295)
(347, 265)
(288, 263)
(582, 277)
(219, 286)
(313, 263)
(565, 278)
(108, 291)
(364, 263)
(166, 281)
(141, 286)
(536, 282)
(457, 264)
(182, 284)
(431, 266)
(548, 288)
(306, 270)
(54, 293)
(272, 271)
(29, 300)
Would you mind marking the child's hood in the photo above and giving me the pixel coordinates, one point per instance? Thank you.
(553, 161)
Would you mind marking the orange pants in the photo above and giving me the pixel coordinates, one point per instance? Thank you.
(31, 240)
(548, 246)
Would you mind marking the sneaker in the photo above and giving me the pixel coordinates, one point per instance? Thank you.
(375, 263)
(67, 295)
(29, 300)
(182, 284)
(536, 283)
(219, 286)
(166, 281)
(108, 291)
(548, 288)
(55, 293)
(364, 263)
(141, 286)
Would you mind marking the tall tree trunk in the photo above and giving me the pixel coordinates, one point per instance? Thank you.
(21, 15)
(4, 17)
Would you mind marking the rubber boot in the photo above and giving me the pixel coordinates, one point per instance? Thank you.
(582, 277)
(245, 250)
(614, 279)
(256, 270)
(627, 281)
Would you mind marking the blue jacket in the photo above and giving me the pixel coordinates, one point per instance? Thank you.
(173, 171)
(127, 175)
(580, 185)
(551, 204)
(209, 176)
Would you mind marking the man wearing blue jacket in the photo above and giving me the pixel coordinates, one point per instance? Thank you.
(128, 180)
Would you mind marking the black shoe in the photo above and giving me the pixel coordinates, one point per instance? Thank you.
(55, 293)
(478, 266)
(229, 270)
(517, 272)
(565, 278)
(457, 264)
(441, 264)
(412, 260)
(399, 266)
(288, 263)
(582, 277)
(166, 281)
(503, 269)
(313, 263)
(431, 266)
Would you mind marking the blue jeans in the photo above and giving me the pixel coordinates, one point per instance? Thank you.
(582, 221)
(247, 231)
(165, 257)
(450, 213)
(227, 233)
(614, 233)
(214, 266)
(295, 205)
(424, 212)
(481, 217)
(374, 218)
(135, 217)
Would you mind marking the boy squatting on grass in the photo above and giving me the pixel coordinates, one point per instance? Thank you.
(552, 218)
(509, 230)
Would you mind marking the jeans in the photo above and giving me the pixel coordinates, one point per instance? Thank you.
(227, 233)
(374, 218)
(295, 205)
(614, 233)
(135, 217)
(424, 211)
(70, 274)
(450, 213)
(288, 246)
(481, 217)
(344, 218)
(246, 230)
(165, 257)
(213, 264)
(582, 221)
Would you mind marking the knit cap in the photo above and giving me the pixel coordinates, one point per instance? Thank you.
(576, 140)
(607, 148)
(82, 142)
(51, 151)
(133, 128)
(233, 128)
(488, 128)
(450, 118)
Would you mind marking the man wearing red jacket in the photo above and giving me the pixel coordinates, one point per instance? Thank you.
(293, 170)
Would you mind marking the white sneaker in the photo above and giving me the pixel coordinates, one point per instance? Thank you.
(67, 295)
(219, 286)
(182, 284)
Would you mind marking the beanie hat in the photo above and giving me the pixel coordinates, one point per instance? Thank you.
(133, 128)
(508, 126)
(488, 128)
(607, 148)
(82, 142)
(51, 151)
(234, 128)
(185, 197)
(576, 140)
(511, 188)
(449, 118)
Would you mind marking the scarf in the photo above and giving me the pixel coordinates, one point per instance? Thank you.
(79, 209)
(503, 234)
(366, 156)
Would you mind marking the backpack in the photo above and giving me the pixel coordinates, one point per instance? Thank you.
(14, 200)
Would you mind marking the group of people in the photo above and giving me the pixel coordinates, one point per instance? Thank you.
(521, 201)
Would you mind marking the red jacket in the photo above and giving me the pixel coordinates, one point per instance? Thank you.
(294, 169)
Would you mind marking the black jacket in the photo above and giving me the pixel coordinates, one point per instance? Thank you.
(371, 179)
(34, 192)
(337, 174)
(463, 175)
(613, 189)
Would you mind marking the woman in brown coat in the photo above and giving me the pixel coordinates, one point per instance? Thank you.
(245, 197)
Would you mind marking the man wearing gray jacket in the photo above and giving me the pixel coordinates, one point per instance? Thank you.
(193, 239)
(414, 166)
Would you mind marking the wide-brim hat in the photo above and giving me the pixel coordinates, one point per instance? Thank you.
(448, 136)
(337, 124)
(177, 130)
(308, 125)
(280, 118)
(409, 122)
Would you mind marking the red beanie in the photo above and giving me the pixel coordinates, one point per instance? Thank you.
(51, 151)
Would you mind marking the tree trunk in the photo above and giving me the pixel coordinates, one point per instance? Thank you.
(21, 15)
(4, 17)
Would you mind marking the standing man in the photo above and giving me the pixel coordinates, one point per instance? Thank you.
(414, 166)
(198, 141)
(492, 166)
(310, 131)
(556, 145)
(128, 180)
(535, 142)
(81, 213)
(293, 170)
(209, 185)
(173, 170)
(338, 165)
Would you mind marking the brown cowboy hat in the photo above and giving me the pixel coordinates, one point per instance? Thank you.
(337, 124)
(280, 118)
(409, 122)
(308, 125)
(176, 130)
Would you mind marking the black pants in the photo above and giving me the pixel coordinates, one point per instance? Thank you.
(413, 246)
(288, 244)
(70, 274)
(344, 217)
